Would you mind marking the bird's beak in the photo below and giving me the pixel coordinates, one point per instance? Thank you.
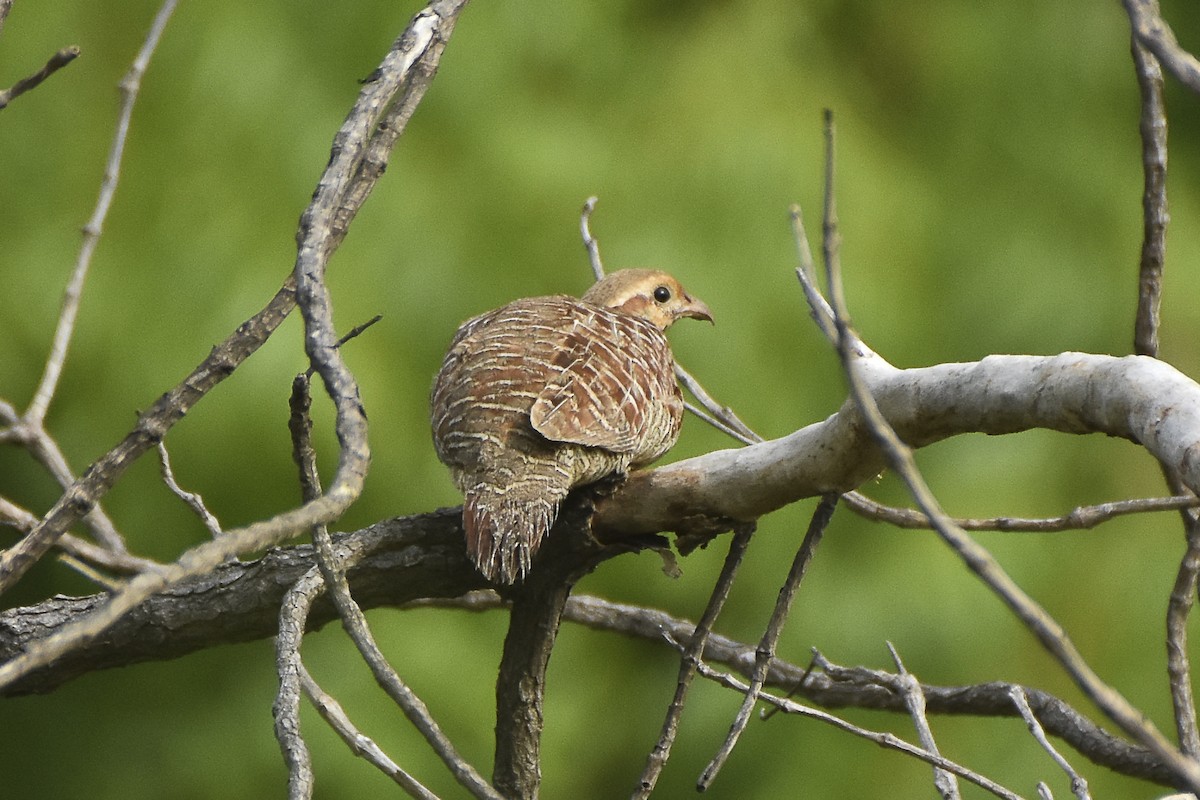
(696, 309)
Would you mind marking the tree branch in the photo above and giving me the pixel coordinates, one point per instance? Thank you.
(421, 560)
(56, 62)
(405, 559)
(1156, 35)
(359, 151)
(1134, 397)
(568, 553)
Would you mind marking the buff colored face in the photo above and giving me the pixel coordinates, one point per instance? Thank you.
(652, 295)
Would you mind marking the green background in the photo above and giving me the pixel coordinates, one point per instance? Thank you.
(989, 194)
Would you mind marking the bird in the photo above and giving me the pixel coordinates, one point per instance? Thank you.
(546, 394)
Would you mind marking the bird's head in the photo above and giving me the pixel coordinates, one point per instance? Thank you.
(652, 295)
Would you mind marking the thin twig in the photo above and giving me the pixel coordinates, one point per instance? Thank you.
(1152, 31)
(1153, 129)
(193, 501)
(354, 333)
(705, 417)
(355, 622)
(294, 679)
(370, 128)
(104, 558)
(88, 571)
(130, 86)
(42, 447)
(360, 744)
(24, 521)
(1179, 608)
(899, 456)
(14, 516)
(300, 428)
(690, 660)
(723, 417)
(1079, 786)
(766, 646)
(33, 420)
(56, 62)
(914, 700)
(806, 272)
(592, 246)
(883, 739)
(1080, 518)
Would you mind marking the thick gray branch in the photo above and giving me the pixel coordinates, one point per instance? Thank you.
(1135, 398)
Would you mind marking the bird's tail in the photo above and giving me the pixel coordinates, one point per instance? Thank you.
(504, 527)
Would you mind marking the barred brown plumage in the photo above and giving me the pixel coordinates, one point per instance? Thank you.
(549, 393)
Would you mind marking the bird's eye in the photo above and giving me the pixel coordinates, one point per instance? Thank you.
(662, 294)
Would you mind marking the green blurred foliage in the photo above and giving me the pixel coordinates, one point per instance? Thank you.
(989, 194)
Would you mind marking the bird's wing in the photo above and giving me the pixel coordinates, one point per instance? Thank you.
(607, 375)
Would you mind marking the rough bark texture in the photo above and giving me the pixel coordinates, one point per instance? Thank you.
(410, 558)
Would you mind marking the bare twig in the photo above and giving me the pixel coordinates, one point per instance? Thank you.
(56, 62)
(45, 450)
(836, 686)
(130, 86)
(193, 501)
(16, 517)
(592, 246)
(705, 417)
(914, 699)
(332, 569)
(355, 332)
(883, 739)
(806, 272)
(1179, 608)
(690, 660)
(92, 574)
(151, 426)
(1156, 35)
(766, 646)
(104, 558)
(1051, 635)
(32, 422)
(353, 169)
(1082, 517)
(361, 745)
(723, 417)
(1079, 786)
(292, 678)
(1153, 128)
(15, 561)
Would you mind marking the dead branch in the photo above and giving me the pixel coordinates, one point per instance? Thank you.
(56, 62)
(359, 155)
(421, 560)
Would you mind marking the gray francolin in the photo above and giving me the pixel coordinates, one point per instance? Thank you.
(550, 393)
